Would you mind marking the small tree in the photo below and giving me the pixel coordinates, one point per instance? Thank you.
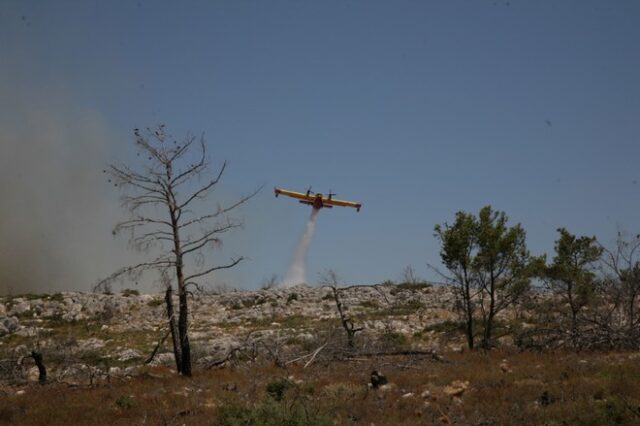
(488, 263)
(458, 246)
(162, 197)
(503, 266)
(570, 276)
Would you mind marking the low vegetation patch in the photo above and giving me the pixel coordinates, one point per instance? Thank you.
(155, 302)
(271, 413)
(410, 286)
(128, 292)
(497, 387)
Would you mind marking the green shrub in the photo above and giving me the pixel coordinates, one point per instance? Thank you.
(125, 402)
(414, 286)
(292, 297)
(373, 304)
(278, 388)
(56, 297)
(615, 411)
(130, 292)
(271, 413)
(155, 302)
(394, 339)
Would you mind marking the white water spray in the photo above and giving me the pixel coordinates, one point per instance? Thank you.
(296, 273)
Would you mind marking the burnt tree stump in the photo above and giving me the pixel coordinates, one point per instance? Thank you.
(42, 370)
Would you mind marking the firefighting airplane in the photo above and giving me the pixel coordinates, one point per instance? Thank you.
(318, 201)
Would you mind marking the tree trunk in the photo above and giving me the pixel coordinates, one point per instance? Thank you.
(172, 327)
(42, 370)
(468, 310)
(488, 331)
(183, 315)
(469, 318)
(572, 306)
(488, 326)
(184, 336)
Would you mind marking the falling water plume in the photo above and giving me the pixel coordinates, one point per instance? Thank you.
(296, 273)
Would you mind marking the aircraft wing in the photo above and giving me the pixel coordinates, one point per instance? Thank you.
(341, 203)
(293, 194)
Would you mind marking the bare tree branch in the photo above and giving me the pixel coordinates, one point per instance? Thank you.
(205, 188)
(233, 263)
(221, 211)
(207, 238)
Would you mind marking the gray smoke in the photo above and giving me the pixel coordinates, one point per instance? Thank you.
(297, 271)
(57, 210)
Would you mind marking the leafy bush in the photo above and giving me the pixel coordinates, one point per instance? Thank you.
(614, 410)
(130, 292)
(414, 286)
(277, 388)
(56, 297)
(155, 302)
(373, 304)
(292, 297)
(271, 413)
(394, 339)
(125, 402)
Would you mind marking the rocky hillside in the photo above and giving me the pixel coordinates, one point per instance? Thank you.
(118, 332)
(288, 360)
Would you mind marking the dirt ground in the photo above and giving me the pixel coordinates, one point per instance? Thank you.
(495, 388)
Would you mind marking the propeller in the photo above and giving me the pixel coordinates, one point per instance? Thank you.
(331, 194)
(309, 191)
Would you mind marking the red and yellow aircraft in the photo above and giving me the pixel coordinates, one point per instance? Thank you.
(318, 201)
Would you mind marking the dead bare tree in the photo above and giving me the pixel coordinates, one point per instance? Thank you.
(409, 276)
(162, 197)
(330, 279)
(621, 285)
(271, 282)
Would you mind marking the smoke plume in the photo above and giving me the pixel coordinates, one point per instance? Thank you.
(297, 271)
(57, 209)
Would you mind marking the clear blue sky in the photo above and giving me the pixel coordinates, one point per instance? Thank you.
(417, 109)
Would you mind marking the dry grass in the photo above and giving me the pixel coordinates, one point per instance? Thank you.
(529, 388)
